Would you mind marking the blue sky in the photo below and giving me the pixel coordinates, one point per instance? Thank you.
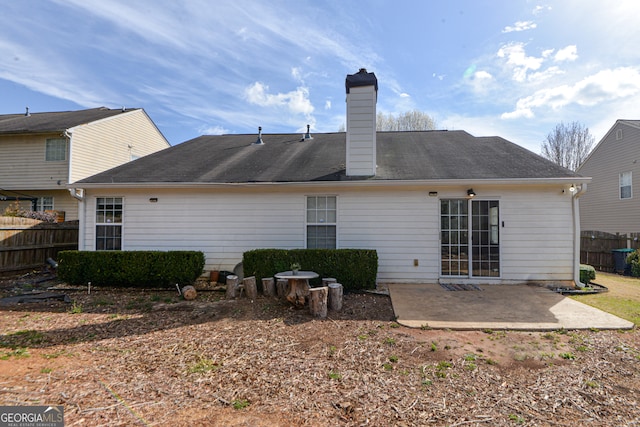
(513, 68)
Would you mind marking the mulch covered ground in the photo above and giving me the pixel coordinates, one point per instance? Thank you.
(130, 357)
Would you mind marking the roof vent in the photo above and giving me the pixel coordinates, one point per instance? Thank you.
(259, 141)
(27, 113)
(308, 134)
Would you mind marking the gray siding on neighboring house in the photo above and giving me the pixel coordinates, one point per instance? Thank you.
(601, 208)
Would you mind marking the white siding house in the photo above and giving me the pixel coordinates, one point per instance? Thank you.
(437, 207)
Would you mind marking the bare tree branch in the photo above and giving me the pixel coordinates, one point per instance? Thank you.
(568, 145)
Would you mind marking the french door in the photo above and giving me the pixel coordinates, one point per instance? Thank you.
(470, 238)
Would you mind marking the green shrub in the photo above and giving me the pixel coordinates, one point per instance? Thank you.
(634, 260)
(130, 268)
(587, 273)
(353, 268)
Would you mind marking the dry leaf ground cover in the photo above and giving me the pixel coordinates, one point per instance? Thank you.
(129, 357)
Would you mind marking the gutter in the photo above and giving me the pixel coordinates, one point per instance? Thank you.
(346, 183)
(576, 233)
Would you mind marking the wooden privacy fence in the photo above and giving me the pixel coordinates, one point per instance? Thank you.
(27, 243)
(596, 248)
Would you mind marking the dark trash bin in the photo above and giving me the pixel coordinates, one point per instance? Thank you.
(620, 260)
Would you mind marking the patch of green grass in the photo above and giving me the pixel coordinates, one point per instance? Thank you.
(470, 366)
(434, 346)
(390, 341)
(567, 356)
(363, 337)
(516, 418)
(470, 357)
(387, 366)
(25, 338)
(335, 375)
(394, 325)
(203, 365)
(46, 370)
(592, 384)
(393, 359)
(18, 353)
(76, 308)
(240, 403)
(626, 308)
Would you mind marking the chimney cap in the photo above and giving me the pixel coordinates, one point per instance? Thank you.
(361, 78)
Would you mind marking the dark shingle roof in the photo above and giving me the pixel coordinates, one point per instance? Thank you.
(53, 121)
(425, 155)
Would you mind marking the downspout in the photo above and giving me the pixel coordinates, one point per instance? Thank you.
(78, 194)
(576, 234)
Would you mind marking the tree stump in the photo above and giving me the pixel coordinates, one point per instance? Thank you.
(327, 280)
(318, 302)
(281, 287)
(335, 296)
(232, 287)
(250, 287)
(268, 286)
(297, 291)
(189, 293)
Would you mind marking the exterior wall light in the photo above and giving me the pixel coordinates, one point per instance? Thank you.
(471, 193)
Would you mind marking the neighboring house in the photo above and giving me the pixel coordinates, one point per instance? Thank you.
(612, 203)
(436, 205)
(41, 153)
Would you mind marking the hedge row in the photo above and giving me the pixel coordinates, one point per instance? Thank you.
(130, 268)
(587, 274)
(353, 268)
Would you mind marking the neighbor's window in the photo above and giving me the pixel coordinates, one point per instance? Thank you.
(56, 149)
(109, 223)
(625, 185)
(321, 222)
(44, 204)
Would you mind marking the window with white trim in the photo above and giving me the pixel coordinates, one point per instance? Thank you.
(44, 204)
(321, 222)
(109, 223)
(55, 150)
(625, 185)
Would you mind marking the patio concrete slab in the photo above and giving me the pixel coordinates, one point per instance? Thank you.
(514, 307)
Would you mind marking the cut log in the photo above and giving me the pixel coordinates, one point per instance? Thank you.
(281, 287)
(327, 280)
(189, 293)
(318, 302)
(268, 286)
(232, 286)
(335, 296)
(250, 287)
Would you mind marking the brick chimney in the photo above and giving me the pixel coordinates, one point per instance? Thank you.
(362, 94)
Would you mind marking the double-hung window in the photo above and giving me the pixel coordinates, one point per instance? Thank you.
(55, 150)
(625, 185)
(109, 223)
(321, 222)
(44, 204)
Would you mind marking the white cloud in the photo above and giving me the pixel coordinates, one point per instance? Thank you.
(606, 85)
(569, 53)
(405, 95)
(327, 104)
(520, 26)
(518, 60)
(296, 101)
(545, 74)
(214, 130)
